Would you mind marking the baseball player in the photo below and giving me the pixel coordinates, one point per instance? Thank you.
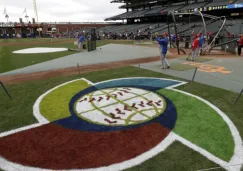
(51, 36)
(80, 42)
(195, 47)
(163, 46)
(240, 44)
(200, 43)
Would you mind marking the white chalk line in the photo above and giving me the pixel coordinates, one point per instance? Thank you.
(238, 151)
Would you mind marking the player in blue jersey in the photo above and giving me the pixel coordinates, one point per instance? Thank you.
(80, 42)
(163, 46)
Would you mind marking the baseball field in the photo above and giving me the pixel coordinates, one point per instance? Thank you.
(10, 61)
(113, 118)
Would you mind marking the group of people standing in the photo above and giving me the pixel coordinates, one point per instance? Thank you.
(197, 44)
(198, 41)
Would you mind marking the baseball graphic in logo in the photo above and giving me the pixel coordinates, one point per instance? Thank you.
(116, 125)
(120, 106)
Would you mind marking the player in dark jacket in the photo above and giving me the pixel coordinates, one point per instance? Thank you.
(200, 43)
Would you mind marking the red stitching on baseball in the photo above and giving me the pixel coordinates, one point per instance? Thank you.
(150, 103)
(120, 112)
(108, 97)
(100, 99)
(93, 99)
(134, 106)
(127, 108)
(158, 103)
(125, 91)
(141, 104)
(110, 122)
(83, 100)
(120, 93)
(114, 116)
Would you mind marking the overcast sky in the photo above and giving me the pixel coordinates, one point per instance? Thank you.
(60, 10)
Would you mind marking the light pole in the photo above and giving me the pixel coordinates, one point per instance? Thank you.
(6, 14)
(26, 16)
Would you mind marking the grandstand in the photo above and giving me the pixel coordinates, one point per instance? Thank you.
(147, 17)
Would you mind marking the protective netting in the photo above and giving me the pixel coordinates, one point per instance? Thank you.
(218, 32)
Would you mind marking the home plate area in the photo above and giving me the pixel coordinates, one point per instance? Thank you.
(117, 125)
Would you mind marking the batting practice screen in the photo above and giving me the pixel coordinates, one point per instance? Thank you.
(92, 40)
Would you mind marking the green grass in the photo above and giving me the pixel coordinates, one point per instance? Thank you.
(199, 59)
(10, 61)
(201, 121)
(221, 98)
(54, 106)
(17, 112)
(176, 157)
(27, 40)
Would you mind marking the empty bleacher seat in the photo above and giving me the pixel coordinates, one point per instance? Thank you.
(193, 6)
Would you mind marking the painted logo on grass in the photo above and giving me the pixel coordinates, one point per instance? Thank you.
(115, 125)
(120, 106)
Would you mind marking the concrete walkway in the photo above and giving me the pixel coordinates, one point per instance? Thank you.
(108, 53)
(232, 81)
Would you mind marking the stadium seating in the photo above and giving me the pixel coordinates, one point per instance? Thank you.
(158, 12)
(183, 29)
(217, 3)
(173, 8)
(154, 10)
(236, 28)
(121, 16)
(138, 13)
(193, 6)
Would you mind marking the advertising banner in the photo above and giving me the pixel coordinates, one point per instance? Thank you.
(234, 6)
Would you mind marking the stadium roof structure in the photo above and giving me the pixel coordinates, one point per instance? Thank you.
(137, 1)
(138, 8)
(142, 3)
(151, 10)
